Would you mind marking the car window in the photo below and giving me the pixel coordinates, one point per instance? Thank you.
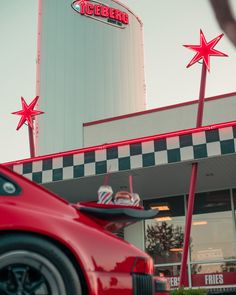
(8, 187)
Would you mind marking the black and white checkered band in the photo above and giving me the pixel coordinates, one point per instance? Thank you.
(161, 150)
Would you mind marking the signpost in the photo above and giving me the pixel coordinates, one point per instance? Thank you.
(203, 51)
(28, 114)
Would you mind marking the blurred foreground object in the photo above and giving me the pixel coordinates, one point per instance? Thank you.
(225, 18)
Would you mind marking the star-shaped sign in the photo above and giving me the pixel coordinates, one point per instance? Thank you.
(27, 113)
(204, 50)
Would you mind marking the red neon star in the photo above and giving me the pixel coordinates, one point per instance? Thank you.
(27, 113)
(205, 49)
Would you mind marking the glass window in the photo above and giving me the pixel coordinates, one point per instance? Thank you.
(164, 234)
(212, 234)
(168, 270)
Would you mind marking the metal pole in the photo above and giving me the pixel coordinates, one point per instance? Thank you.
(131, 184)
(31, 142)
(187, 232)
(193, 181)
(201, 96)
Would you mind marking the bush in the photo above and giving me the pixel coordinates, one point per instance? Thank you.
(183, 291)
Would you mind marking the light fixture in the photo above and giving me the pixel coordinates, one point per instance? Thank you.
(176, 250)
(210, 174)
(202, 222)
(164, 218)
(161, 207)
(216, 204)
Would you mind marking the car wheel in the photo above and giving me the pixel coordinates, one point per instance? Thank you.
(30, 265)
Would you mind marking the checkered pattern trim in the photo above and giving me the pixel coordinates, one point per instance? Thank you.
(174, 149)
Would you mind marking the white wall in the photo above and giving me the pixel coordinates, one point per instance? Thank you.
(135, 234)
(215, 111)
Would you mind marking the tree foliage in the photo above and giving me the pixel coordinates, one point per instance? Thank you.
(182, 291)
(161, 237)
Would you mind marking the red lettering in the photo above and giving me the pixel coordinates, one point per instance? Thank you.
(89, 9)
(97, 10)
(118, 15)
(112, 13)
(82, 8)
(104, 11)
(125, 18)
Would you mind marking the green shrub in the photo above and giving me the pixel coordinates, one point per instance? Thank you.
(182, 291)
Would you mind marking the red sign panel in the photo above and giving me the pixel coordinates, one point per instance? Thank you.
(207, 279)
(214, 279)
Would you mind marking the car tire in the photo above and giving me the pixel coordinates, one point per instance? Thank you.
(33, 265)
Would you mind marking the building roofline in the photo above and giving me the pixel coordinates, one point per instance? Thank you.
(124, 142)
(156, 110)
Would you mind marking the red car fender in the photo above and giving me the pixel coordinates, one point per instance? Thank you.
(69, 233)
(98, 252)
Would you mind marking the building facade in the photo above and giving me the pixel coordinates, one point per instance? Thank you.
(159, 155)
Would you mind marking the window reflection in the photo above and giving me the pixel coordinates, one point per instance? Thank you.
(219, 267)
(168, 270)
(212, 243)
(164, 235)
(212, 235)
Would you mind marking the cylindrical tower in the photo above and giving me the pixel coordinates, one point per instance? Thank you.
(90, 67)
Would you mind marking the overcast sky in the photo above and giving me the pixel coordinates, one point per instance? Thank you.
(168, 24)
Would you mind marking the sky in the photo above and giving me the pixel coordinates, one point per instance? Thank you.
(167, 24)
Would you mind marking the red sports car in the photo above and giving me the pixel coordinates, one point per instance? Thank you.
(51, 247)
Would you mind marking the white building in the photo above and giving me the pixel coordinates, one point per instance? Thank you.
(90, 66)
